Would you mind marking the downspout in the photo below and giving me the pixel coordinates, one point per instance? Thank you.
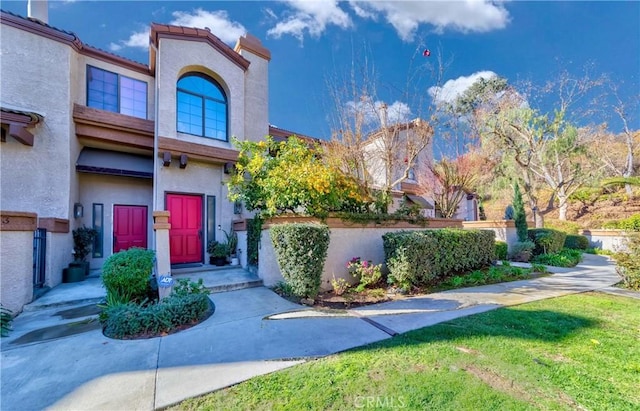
(156, 110)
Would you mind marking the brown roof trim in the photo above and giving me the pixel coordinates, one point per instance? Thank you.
(66, 37)
(159, 31)
(280, 134)
(409, 188)
(197, 151)
(111, 127)
(252, 44)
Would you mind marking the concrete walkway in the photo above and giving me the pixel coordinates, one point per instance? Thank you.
(244, 338)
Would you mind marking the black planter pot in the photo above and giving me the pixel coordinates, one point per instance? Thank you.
(84, 264)
(73, 274)
(218, 261)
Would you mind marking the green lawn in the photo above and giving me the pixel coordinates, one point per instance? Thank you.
(575, 352)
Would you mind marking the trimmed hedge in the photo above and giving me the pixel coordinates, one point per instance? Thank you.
(547, 240)
(501, 250)
(135, 320)
(126, 274)
(576, 242)
(301, 249)
(417, 258)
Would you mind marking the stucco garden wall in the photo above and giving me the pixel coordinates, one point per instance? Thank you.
(612, 240)
(505, 229)
(348, 240)
(16, 257)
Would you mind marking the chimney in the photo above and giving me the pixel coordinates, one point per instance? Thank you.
(39, 10)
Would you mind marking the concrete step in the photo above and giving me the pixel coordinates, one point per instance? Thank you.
(221, 280)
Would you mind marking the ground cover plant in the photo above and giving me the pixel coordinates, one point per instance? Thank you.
(564, 258)
(574, 352)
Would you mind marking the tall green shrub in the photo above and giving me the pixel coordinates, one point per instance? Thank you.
(628, 262)
(576, 242)
(424, 257)
(126, 274)
(519, 215)
(547, 240)
(301, 249)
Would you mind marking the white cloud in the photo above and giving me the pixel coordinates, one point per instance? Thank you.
(465, 16)
(311, 17)
(218, 21)
(454, 88)
(138, 39)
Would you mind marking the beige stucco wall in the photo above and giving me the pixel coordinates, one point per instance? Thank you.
(41, 179)
(612, 240)
(175, 58)
(16, 276)
(35, 76)
(505, 230)
(256, 116)
(345, 243)
(110, 191)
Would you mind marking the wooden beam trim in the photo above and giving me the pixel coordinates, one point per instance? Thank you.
(20, 133)
(87, 115)
(197, 151)
(99, 133)
(18, 221)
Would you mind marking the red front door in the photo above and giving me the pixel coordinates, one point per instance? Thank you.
(129, 227)
(185, 235)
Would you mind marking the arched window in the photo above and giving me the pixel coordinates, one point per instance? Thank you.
(202, 107)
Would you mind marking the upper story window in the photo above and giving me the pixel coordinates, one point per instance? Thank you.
(202, 107)
(114, 92)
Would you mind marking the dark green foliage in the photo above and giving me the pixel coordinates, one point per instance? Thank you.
(417, 258)
(254, 232)
(547, 240)
(83, 238)
(140, 320)
(6, 318)
(576, 242)
(301, 250)
(519, 215)
(563, 258)
(126, 274)
(628, 262)
(501, 250)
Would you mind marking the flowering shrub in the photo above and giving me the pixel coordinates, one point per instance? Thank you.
(365, 271)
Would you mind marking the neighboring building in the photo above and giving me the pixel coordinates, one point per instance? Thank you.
(402, 138)
(90, 138)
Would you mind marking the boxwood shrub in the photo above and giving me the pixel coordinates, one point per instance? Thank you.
(576, 242)
(547, 240)
(301, 249)
(126, 274)
(416, 258)
(501, 250)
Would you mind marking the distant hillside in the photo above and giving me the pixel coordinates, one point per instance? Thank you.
(588, 214)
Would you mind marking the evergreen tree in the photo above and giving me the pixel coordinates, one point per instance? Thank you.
(519, 215)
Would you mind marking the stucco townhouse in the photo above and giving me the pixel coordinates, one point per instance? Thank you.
(93, 139)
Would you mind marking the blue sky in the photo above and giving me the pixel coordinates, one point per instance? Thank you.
(314, 41)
